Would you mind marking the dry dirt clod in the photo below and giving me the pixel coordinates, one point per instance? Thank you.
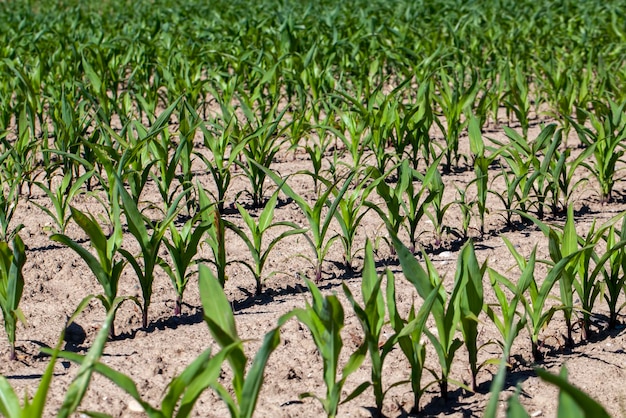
(134, 406)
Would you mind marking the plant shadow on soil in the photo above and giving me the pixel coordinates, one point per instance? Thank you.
(171, 322)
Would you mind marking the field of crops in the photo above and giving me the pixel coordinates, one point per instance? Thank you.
(312, 208)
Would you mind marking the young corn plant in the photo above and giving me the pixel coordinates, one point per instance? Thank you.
(454, 99)
(318, 145)
(254, 240)
(606, 137)
(262, 144)
(509, 322)
(523, 170)
(61, 198)
(224, 154)
(135, 161)
(219, 317)
(352, 209)
(466, 212)
(318, 223)
(409, 335)
(587, 283)
(107, 267)
(613, 284)
(149, 243)
(371, 315)
(325, 319)
(182, 246)
(11, 287)
(354, 135)
(471, 273)
(436, 210)
(579, 276)
(541, 181)
(518, 98)
(515, 171)
(168, 164)
(481, 168)
(406, 203)
(412, 128)
(447, 311)
(9, 198)
(216, 233)
(379, 114)
(536, 314)
(21, 159)
(562, 172)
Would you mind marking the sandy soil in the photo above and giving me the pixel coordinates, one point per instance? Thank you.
(57, 279)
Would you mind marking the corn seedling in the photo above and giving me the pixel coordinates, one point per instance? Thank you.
(510, 322)
(562, 172)
(614, 275)
(325, 320)
(436, 210)
(353, 133)
(470, 272)
(524, 169)
(21, 161)
(150, 244)
(352, 209)
(11, 287)
(107, 267)
(9, 197)
(216, 233)
(412, 129)
(446, 311)
(61, 198)
(318, 224)
(219, 317)
(406, 203)
(517, 98)
(167, 164)
(254, 240)
(317, 148)
(224, 152)
(182, 246)
(605, 137)
(261, 146)
(409, 335)
(538, 314)
(371, 315)
(578, 275)
(466, 212)
(481, 168)
(454, 98)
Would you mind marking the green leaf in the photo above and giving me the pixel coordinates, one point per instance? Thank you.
(573, 402)
(254, 378)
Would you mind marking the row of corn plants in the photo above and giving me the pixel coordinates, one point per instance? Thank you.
(455, 312)
(375, 92)
(138, 156)
(107, 101)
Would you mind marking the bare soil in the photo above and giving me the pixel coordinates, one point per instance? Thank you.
(57, 280)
